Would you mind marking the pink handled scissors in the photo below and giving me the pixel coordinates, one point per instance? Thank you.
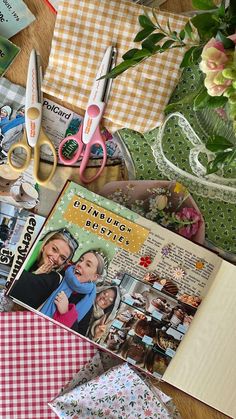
(89, 132)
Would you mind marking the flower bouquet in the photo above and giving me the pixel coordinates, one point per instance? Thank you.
(165, 202)
(209, 40)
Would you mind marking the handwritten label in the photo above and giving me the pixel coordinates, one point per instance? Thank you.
(157, 315)
(117, 323)
(148, 340)
(106, 224)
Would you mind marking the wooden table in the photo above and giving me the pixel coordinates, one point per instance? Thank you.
(38, 35)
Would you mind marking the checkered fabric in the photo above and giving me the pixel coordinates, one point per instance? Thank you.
(11, 94)
(37, 358)
(82, 33)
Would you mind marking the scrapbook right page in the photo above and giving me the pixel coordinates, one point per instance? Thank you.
(205, 367)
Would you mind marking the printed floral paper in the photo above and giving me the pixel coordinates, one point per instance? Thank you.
(118, 392)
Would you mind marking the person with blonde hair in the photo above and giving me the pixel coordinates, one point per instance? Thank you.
(41, 275)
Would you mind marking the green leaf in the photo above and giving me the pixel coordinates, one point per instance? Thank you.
(155, 37)
(218, 143)
(204, 100)
(141, 53)
(231, 159)
(203, 4)
(167, 45)
(145, 21)
(120, 68)
(129, 54)
(187, 60)
(206, 25)
(150, 42)
(201, 99)
(219, 160)
(228, 43)
(188, 29)
(182, 34)
(143, 34)
(215, 102)
(196, 54)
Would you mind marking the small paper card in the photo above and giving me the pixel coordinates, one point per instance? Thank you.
(14, 16)
(8, 52)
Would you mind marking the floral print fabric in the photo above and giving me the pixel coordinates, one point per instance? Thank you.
(118, 393)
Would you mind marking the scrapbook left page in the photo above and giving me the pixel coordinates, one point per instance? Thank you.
(125, 283)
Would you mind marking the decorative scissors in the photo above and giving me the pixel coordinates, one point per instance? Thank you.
(89, 132)
(33, 137)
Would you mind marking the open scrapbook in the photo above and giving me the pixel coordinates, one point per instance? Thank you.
(137, 290)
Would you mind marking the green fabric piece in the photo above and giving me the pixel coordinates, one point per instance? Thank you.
(220, 216)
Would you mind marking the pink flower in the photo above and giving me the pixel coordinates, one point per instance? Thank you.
(192, 219)
(215, 84)
(214, 56)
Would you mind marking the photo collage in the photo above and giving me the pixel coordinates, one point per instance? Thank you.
(150, 322)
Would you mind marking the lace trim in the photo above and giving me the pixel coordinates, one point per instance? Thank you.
(212, 186)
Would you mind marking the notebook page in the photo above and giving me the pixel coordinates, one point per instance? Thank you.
(204, 365)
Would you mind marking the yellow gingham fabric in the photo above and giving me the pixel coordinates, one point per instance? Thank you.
(83, 31)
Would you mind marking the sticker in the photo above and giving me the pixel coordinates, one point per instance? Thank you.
(147, 339)
(178, 273)
(170, 352)
(166, 250)
(157, 315)
(157, 286)
(145, 261)
(199, 265)
(117, 323)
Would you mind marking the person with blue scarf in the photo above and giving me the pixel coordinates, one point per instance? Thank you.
(42, 273)
(13, 130)
(79, 279)
(18, 120)
(5, 113)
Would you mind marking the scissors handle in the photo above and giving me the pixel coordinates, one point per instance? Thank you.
(97, 139)
(25, 146)
(43, 140)
(77, 154)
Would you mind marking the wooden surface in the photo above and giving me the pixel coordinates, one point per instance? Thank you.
(39, 35)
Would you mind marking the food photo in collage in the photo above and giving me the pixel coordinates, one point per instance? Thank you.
(142, 340)
(167, 307)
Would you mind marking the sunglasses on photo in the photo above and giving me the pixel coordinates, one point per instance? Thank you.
(71, 240)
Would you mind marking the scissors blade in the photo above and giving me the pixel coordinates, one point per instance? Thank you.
(98, 96)
(33, 101)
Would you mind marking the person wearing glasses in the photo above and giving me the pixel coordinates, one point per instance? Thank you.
(42, 274)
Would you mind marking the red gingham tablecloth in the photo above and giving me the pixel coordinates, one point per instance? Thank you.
(37, 358)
